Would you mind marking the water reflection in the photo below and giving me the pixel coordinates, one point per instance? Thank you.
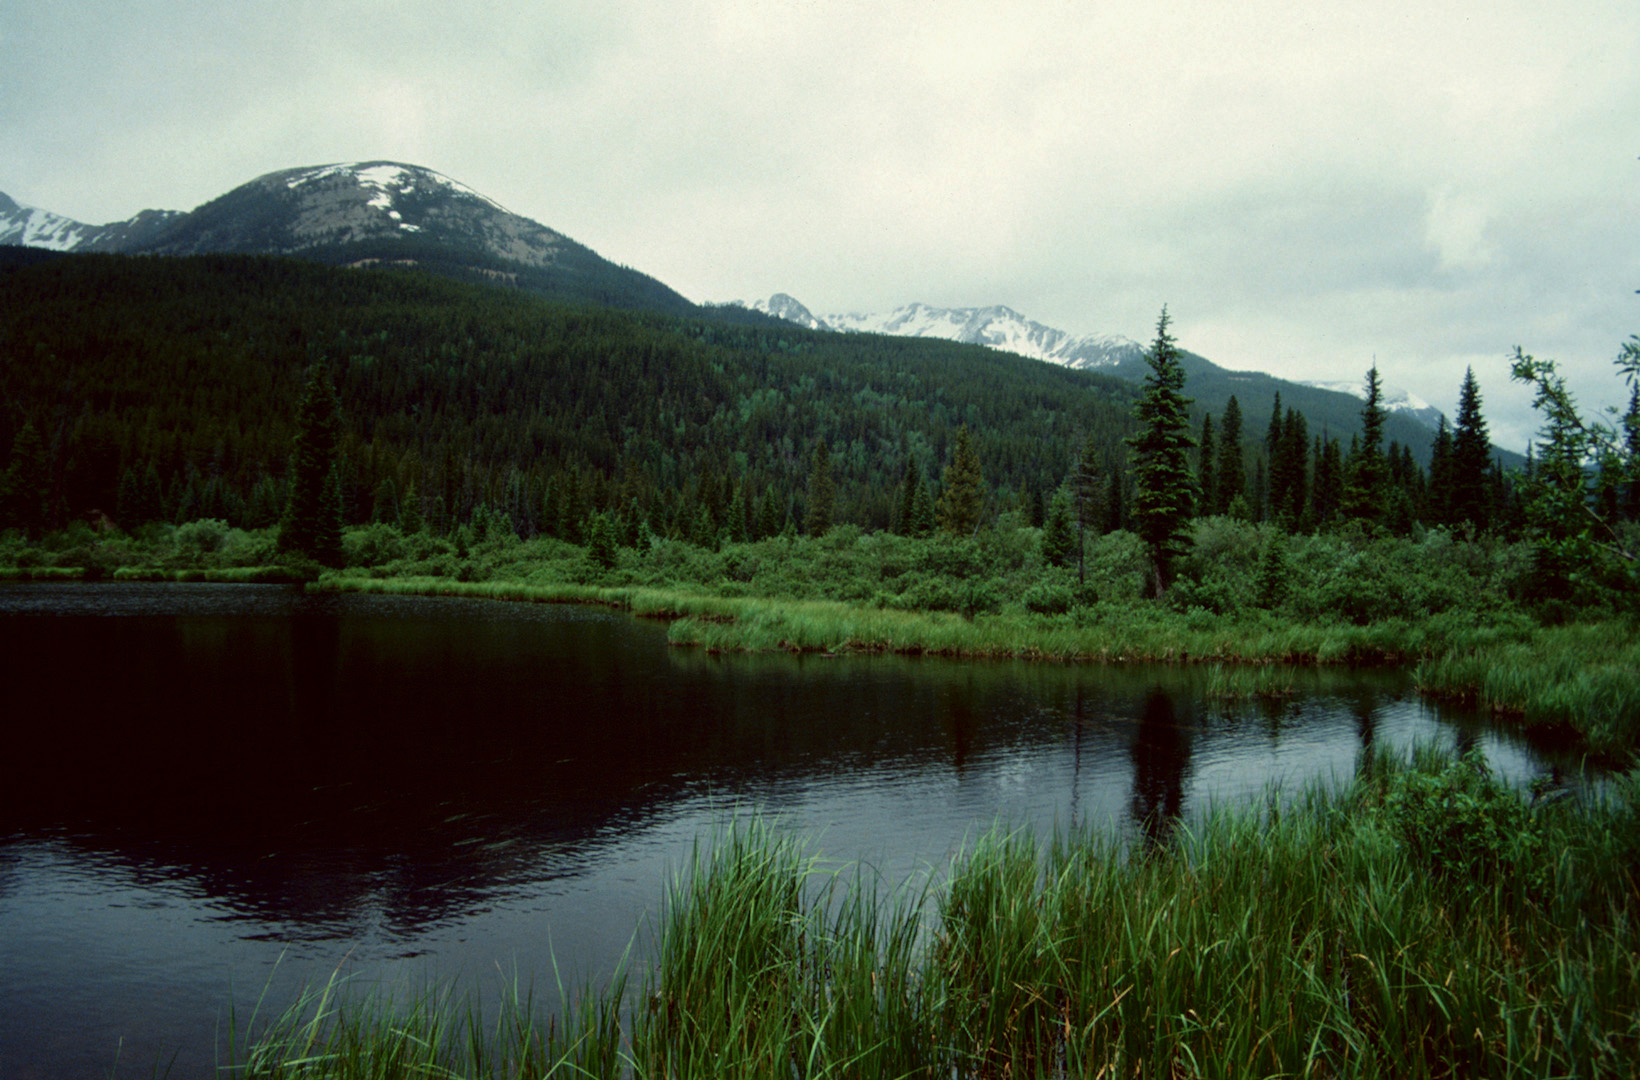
(1161, 756)
(200, 772)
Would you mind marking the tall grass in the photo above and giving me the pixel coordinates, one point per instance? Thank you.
(1425, 921)
(1582, 677)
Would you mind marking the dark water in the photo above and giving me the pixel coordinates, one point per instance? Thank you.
(206, 790)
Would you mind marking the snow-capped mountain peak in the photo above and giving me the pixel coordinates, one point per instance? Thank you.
(28, 226)
(1391, 398)
(385, 184)
(996, 326)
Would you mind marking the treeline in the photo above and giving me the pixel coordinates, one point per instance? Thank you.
(140, 390)
(158, 389)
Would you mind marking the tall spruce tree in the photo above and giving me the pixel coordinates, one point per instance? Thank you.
(962, 499)
(1163, 487)
(1205, 468)
(822, 492)
(1090, 491)
(1366, 486)
(1438, 507)
(1232, 471)
(1471, 459)
(1058, 538)
(909, 485)
(312, 525)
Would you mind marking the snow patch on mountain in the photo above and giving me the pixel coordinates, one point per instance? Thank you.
(995, 327)
(1393, 399)
(28, 226)
(388, 181)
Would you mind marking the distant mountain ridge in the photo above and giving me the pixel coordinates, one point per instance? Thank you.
(997, 327)
(361, 214)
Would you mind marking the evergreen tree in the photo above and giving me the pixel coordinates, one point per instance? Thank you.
(601, 542)
(1115, 504)
(962, 502)
(27, 484)
(1327, 492)
(1471, 458)
(1289, 467)
(1439, 502)
(410, 511)
(739, 530)
(771, 516)
(908, 493)
(1059, 544)
(922, 513)
(384, 503)
(1205, 468)
(822, 492)
(312, 525)
(1231, 478)
(1162, 484)
(1366, 487)
(1271, 585)
(1090, 503)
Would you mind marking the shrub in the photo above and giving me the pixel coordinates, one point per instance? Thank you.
(1462, 825)
(201, 537)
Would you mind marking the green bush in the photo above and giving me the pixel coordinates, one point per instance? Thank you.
(1459, 823)
(1049, 598)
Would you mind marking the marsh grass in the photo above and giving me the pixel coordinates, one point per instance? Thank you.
(1351, 933)
(1585, 678)
(1238, 682)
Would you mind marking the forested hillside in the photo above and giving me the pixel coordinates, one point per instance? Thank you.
(147, 388)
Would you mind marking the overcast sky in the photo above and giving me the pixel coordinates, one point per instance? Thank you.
(1308, 186)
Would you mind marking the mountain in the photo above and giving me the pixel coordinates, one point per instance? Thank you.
(997, 327)
(1394, 399)
(363, 214)
(1333, 407)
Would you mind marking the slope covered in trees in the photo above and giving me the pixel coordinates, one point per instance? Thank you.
(162, 388)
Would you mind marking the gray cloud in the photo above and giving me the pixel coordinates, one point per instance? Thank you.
(1307, 187)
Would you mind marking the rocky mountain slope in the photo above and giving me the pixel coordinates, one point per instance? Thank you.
(362, 214)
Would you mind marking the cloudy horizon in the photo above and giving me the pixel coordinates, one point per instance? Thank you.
(1309, 190)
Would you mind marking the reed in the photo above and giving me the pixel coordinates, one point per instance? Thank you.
(1585, 678)
(1344, 933)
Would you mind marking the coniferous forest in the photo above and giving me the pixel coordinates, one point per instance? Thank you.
(259, 418)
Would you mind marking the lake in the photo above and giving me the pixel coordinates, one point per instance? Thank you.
(213, 789)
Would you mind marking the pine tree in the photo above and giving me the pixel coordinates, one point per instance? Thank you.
(1471, 458)
(312, 525)
(962, 502)
(922, 513)
(1327, 492)
(601, 542)
(1090, 503)
(1439, 503)
(1162, 484)
(1232, 472)
(27, 483)
(410, 511)
(1205, 468)
(1366, 487)
(822, 492)
(771, 515)
(1059, 544)
(739, 531)
(908, 493)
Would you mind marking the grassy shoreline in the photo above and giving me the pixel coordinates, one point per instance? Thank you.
(1357, 933)
(1460, 612)
(1583, 679)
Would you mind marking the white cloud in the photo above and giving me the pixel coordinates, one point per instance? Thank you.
(1306, 185)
